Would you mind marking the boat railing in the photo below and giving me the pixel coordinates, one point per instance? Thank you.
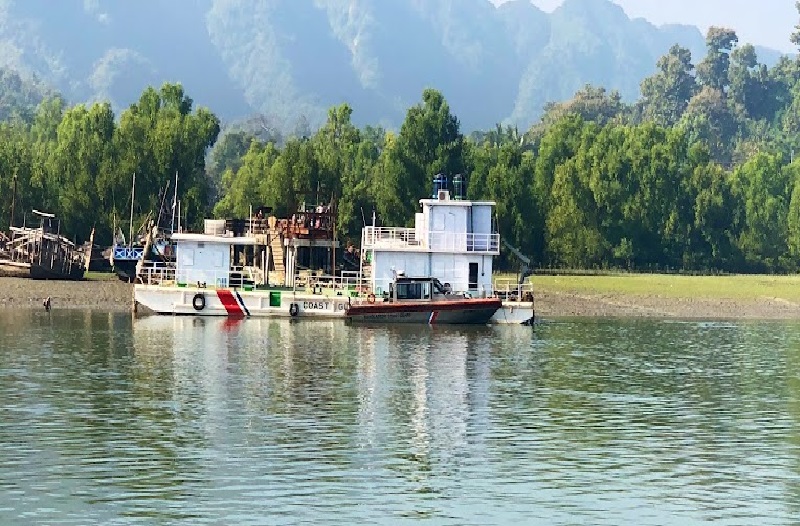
(157, 273)
(349, 281)
(128, 253)
(511, 290)
(399, 238)
(165, 274)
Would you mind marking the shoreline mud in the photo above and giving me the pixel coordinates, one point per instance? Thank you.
(108, 294)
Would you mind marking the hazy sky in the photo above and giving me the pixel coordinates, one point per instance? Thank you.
(765, 22)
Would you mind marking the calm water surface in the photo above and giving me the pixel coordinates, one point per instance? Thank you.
(113, 421)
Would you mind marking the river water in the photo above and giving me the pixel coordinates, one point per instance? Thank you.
(114, 421)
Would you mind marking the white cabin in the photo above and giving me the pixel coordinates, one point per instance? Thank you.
(453, 240)
(206, 260)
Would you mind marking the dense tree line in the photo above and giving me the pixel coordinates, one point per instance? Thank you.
(699, 173)
(78, 162)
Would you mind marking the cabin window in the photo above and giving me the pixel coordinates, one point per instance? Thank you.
(409, 291)
(186, 257)
(438, 221)
(473, 276)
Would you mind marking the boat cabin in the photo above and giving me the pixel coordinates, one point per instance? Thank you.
(262, 250)
(206, 261)
(415, 289)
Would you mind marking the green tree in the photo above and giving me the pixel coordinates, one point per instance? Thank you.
(764, 189)
(390, 191)
(666, 94)
(340, 160)
(708, 118)
(573, 233)
(713, 70)
(81, 167)
(293, 178)
(17, 180)
(227, 154)
(559, 144)
(429, 143)
(591, 103)
(795, 37)
(161, 136)
(247, 187)
(508, 183)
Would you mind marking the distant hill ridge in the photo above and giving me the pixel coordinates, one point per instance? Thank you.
(292, 59)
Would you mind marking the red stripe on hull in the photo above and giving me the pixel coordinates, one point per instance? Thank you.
(230, 303)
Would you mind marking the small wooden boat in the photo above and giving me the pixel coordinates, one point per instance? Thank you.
(425, 301)
(41, 253)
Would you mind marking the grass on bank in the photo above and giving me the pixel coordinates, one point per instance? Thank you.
(99, 276)
(740, 287)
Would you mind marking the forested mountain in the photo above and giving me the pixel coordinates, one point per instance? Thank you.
(290, 60)
(19, 97)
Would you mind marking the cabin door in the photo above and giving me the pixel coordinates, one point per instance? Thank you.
(473, 276)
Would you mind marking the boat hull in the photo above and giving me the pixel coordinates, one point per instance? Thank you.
(125, 269)
(13, 269)
(74, 273)
(514, 313)
(237, 303)
(449, 312)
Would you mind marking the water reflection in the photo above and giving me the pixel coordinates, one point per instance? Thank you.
(109, 420)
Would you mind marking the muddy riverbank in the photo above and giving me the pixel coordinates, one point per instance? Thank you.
(93, 294)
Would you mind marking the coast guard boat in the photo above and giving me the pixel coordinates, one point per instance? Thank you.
(453, 242)
(261, 267)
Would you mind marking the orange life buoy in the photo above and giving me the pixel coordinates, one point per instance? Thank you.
(371, 299)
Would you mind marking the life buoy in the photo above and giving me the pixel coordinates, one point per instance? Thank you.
(199, 302)
(371, 299)
(294, 309)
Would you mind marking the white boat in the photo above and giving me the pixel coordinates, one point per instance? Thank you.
(453, 240)
(250, 268)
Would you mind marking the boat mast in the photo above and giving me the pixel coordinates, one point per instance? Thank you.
(174, 202)
(133, 194)
(13, 202)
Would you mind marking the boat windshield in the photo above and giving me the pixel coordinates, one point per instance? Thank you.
(413, 290)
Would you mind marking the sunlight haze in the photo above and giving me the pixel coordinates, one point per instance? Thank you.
(766, 23)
